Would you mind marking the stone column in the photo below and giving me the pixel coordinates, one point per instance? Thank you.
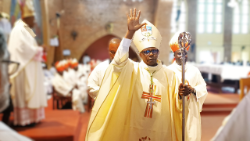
(46, 35)
(228, 25)
(162, 22)
(192, 26)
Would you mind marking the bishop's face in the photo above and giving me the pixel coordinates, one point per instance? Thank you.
(150, 56)
(30, 21)
(177, 56)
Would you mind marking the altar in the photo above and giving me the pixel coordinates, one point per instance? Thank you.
(219, 76)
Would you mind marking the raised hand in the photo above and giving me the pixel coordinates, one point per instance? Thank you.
(133, 20)
(133, 23)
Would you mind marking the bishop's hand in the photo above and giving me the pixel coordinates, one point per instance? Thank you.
(185, 90)
(133, 23)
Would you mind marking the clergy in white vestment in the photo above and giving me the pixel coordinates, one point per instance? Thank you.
(61, 86)
(96, 76)
(71, 74)
(66, 73)
(27, 91)
(136, 101)
(235, 127)
(67, 89)
(197, 92)
(85, 70)
(79, 77)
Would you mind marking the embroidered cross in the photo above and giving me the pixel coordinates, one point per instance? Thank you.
(151, 101)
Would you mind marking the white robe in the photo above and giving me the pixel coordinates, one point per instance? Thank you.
(120, 107)
(193, 103)
(96, 77)
(83, 73)
(70, 76)
(71, 79)
(61, 86)
(27, 89)
(236, 126)
(8, 134)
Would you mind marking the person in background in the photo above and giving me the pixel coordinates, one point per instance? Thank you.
(195, 91)
(96, 76)
(27, 91)
(66, 88)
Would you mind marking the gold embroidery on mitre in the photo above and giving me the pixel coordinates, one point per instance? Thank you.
(147, 36)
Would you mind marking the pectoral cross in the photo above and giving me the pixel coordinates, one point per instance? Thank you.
(151, 100)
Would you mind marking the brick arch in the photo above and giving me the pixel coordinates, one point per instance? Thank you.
(97, 36)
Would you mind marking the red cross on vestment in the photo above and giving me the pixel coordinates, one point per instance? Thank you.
(151, 101)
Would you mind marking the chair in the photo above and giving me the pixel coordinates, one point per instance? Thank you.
(91, 102)
(244, 83)
(58, 100)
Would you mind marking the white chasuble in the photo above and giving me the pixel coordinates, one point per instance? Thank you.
(193, 104)
(27, 89)
(127, 108)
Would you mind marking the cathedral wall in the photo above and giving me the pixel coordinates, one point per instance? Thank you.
(93, 19)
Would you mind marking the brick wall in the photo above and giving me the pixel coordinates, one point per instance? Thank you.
(89, 19)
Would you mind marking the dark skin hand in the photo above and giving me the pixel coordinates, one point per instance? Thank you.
(185, 90)
(113, 46)
(133, 23)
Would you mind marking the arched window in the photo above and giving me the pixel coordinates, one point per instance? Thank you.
(178, 17)
(241, 17)
(209, 16)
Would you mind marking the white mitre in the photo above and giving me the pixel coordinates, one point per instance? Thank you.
(27, 9)
(147, 36)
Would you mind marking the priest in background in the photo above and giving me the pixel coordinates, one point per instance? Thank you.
(96, 76)
(78, 76)
(136, 100)
(66, 88)
(28, 93)
(195, 91)
(61, 86)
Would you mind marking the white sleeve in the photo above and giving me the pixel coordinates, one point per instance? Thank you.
(122, 52)
(93, 82)
(121, 56)
(201, 90)
(61, 86)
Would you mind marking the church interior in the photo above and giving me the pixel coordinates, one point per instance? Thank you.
(82, 29)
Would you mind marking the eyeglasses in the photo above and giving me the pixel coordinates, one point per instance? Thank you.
(154, 51)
